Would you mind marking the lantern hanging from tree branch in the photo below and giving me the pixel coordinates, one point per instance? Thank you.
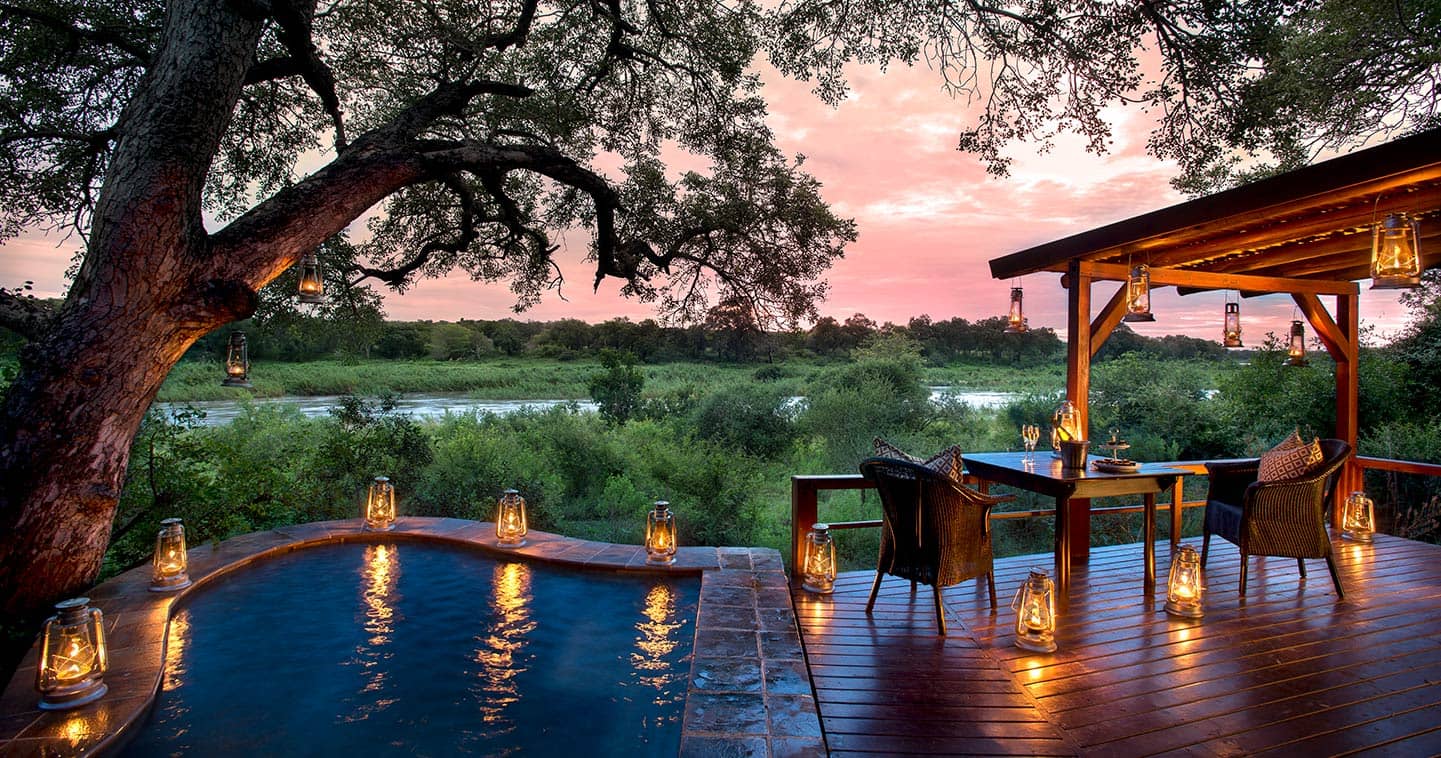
(312, 287)
(237, 362)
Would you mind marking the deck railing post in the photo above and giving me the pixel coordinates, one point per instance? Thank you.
(803, 514)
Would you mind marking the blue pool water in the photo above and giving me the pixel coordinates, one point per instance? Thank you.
(419, 649)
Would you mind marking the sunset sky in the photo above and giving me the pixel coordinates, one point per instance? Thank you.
(929, 219)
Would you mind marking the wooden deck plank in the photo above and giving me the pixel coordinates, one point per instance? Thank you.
(1290, 668)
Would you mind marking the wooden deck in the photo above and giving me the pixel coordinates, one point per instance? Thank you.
(1290, 671)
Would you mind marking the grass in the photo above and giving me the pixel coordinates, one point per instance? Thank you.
(537, 379)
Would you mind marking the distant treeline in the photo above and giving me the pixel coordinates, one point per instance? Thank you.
(951, 340)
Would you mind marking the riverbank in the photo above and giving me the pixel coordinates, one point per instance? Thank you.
(539, 379)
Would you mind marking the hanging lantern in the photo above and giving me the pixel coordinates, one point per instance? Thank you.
(72, 661)
(1396, 253)
(1296, 347)
(1065, 425)
(660, 535)
(819, 575)
(1016, 321)
(1035, 606)
(1138, 295)
(237, 362)
(380, 506)
(312, 286)
(1186, 584)
(510, 526)
(168, 566)
(1231, 332)
(1358, 520)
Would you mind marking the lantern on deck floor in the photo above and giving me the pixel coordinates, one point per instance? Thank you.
(237, 362)
(1138, 295)
(312, 286)
(660, 535)
(168, 566)
(1358, 520)
(510, 526)
(1231, 330)
(1296, 347)
(1016, 319)
(1395, 253)
(819, 574)
(380, 506)
(1035, 606)
(1186, 585)
(72, 661)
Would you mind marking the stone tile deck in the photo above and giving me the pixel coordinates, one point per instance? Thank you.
(748, 693)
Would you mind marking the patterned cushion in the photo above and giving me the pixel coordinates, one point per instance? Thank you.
(947, 463)
(1290, 459)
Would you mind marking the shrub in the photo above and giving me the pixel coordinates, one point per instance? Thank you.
(617, 388)
(754, 420)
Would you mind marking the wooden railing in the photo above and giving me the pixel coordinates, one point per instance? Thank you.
(806, 488)
(805, 500)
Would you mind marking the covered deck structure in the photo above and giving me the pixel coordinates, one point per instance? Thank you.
(1288, 669)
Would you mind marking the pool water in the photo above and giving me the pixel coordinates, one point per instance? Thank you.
(422, 649)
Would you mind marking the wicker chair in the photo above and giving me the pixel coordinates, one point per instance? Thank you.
(1282, 518)
(934, 532)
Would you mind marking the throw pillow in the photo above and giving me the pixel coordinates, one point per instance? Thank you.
(1289, 459)
(947, 463)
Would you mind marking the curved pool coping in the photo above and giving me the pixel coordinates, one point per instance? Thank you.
(749, 690)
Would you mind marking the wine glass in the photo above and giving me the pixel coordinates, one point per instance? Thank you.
(1030, 434)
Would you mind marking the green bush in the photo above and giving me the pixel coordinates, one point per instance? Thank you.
(616, 389)
(752, 419)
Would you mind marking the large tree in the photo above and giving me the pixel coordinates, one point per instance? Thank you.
(198, 148)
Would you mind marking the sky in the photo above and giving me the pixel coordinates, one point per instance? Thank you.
(929, 219)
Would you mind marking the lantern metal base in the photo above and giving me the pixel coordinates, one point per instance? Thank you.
(659, 560)
(1395, 282)
(1347, 534)
(171, 586)
(373, 528)
(1299, 362)
(1184, 611)
(1013, 329)
(511, 543)
(818, 588)
(1035, 645)
(232, 382)
(64, 701)
(1133, 317)
(310, 299)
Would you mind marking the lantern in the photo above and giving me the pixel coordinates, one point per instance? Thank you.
(312, 286)
(1065, 425)
(1035, 606)
(169, 562)
(1016, 321)
(1396, 253)
(1186, 584)
(237, 362)
(1358, 520)
(72, 656)
(380, 506)
(510, 527)
(1231, 331)
(819, 575)
(1138, 295)
(1296, 347)
(660, 535)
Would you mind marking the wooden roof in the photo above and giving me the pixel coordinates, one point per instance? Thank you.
(1307, 230)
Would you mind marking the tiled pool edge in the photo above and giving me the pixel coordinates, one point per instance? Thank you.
(745, 626)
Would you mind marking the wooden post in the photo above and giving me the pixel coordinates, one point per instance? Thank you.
(1348, 389)
(1078, 391)
(803, 514)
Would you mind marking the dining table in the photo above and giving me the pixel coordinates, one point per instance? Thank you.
(1043, 474)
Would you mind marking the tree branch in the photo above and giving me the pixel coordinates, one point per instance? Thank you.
(24, 314)
(103, 36)
(295, 25)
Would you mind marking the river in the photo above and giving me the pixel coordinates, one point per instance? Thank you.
(434, 405)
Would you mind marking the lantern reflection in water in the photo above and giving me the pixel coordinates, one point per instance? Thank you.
(379, 573)
(657, 638)
(503, 653)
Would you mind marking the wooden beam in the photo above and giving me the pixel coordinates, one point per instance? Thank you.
(1204, 280)
(1078, 344)
(1107, 320)
(1335, 340)
(1348, 390)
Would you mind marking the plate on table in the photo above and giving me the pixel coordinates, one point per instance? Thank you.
(1115, 466)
